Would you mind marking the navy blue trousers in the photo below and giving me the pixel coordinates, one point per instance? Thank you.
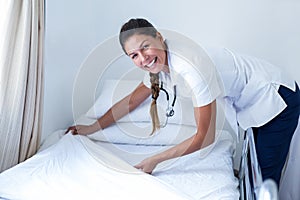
(273, 139)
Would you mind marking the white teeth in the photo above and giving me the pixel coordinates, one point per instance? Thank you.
(150, 64)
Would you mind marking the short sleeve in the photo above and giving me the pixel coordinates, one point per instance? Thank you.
(206, 92)
(203, 87)
(194, 71)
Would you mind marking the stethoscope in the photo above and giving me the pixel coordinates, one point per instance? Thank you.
(170, 110)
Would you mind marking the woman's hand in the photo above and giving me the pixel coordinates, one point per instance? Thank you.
(82, 129)
(147, 165)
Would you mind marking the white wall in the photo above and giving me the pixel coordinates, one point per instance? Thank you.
(268, 29)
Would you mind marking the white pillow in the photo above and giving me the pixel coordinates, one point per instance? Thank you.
(114, 90)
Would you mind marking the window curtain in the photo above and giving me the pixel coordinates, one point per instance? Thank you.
(21, 79)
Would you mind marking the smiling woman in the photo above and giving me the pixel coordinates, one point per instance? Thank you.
(207, 76)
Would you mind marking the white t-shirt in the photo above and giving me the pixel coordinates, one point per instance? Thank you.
(248, 86)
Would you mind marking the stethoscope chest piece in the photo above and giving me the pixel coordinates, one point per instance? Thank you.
(170, 111)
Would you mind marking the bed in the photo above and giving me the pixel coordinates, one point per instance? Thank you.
(76, 167)
(100, 166)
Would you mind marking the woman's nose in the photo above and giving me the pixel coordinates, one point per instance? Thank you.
(144, 58)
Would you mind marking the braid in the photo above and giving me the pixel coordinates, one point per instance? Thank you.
(154, 79)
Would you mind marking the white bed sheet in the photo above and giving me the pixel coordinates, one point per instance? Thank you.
(205, 174)
(76, 167)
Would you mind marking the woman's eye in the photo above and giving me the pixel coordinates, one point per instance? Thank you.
(146, 46)
(133, 56)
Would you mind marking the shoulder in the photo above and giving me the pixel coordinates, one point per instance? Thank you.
(191, 61)
(187, 50)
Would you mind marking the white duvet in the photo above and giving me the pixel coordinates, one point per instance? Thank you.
(76, 167)
(68, 170)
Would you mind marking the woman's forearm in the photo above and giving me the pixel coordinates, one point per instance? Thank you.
(188, 146)
(123, 107)
(116, 112)
(204, 136)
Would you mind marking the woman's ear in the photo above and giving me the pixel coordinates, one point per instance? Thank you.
(159, 36)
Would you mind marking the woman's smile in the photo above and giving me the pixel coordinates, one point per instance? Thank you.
(151, 64)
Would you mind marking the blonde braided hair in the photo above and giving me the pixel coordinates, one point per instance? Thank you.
(154, 79)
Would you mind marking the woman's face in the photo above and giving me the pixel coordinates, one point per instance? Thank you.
(147, 52)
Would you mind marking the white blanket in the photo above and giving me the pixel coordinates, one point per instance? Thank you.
(68, 170)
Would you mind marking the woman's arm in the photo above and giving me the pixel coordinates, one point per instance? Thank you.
(206, 122)
(117, 111)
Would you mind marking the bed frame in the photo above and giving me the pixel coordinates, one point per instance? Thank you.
(252, 186)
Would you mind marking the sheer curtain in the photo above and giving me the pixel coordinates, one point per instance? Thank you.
(21, 79)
